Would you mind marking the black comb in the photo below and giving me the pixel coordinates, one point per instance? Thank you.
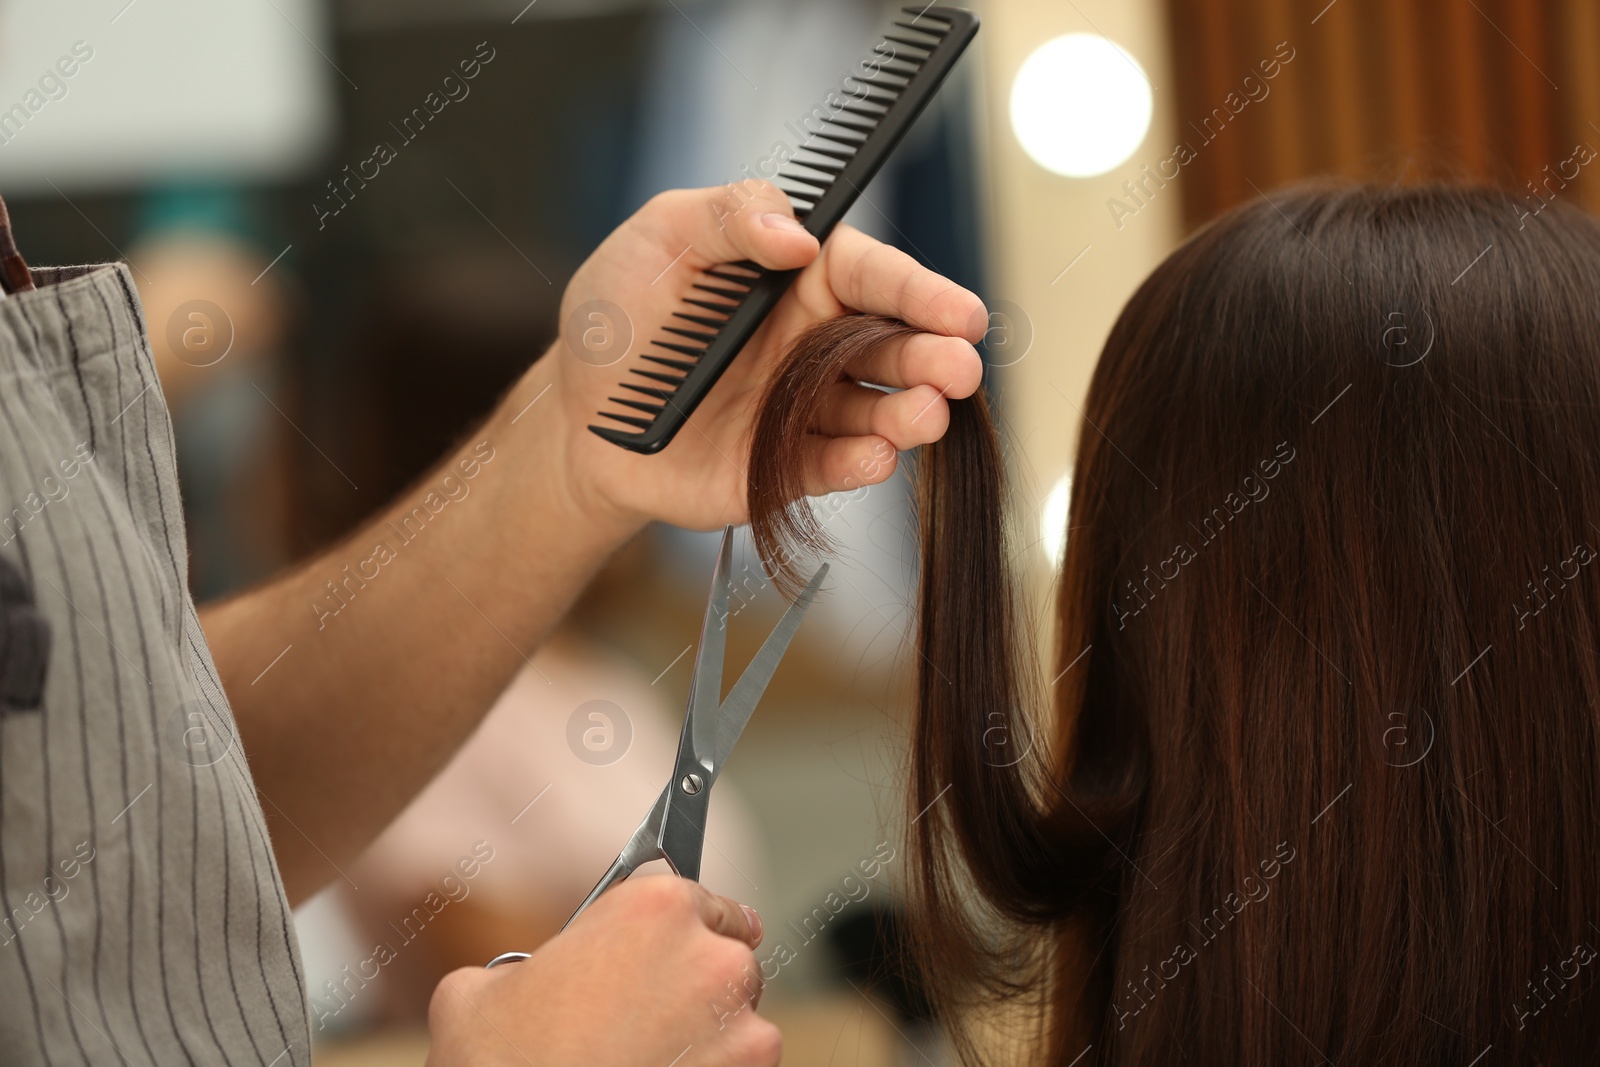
(823, 179)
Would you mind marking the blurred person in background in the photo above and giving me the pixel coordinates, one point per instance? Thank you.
(201, 265)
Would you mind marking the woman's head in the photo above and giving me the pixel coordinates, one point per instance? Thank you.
(1324, 775)
(1332, 552)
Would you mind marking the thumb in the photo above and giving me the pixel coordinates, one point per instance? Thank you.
(748, 219)
(728, 917)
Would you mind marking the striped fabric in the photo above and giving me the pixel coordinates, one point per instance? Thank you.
(144, 920)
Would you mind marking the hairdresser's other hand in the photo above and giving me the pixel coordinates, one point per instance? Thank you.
(657, 971)
(645, 268)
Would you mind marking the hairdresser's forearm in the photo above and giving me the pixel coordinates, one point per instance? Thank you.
(355, 676)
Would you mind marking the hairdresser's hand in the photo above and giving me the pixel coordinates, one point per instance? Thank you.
(646, 267)
(657, 971)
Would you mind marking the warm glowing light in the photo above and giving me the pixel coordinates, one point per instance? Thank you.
(1053, 521)
(1080, 105)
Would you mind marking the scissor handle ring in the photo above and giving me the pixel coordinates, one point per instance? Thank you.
(507, 957)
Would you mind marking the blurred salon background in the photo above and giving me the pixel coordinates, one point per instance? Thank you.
(350, 223)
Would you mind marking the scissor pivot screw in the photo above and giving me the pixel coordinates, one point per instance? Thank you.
(692, 784)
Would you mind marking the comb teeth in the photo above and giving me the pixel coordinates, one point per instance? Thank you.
(891, 62)
(804, 182)
(851, 124)
(831, 153)
(740, 279)
(643, 424)
(832, 169)
(674, 364)
(734, 293)
(698, 320)
(673, 346)
(708, 305)
(646, 390)
(845, 143)
(648, 409)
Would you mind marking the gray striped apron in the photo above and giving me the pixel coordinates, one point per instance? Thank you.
(144, 921)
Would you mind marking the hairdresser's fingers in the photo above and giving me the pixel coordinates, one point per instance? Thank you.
(726, 917)
(840, 464)
(868, 275)
(949, 364)
(906, 419)
(744, 220)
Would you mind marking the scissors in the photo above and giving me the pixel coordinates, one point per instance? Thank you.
(674, 829)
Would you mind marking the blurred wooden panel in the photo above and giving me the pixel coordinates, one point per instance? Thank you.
(1579, 39)
(1284, 138)
(1402, 29)
(1498, 90)
(1533, 104)
(1343, 112)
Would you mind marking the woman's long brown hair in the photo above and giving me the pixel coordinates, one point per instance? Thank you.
(1323, 781)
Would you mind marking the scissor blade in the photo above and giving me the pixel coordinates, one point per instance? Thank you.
(683, 835)
(746, 693)
(642, 847)
(705, 688)
(645, 844)
(617, 873)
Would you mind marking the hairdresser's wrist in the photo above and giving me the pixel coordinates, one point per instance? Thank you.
(549, 487)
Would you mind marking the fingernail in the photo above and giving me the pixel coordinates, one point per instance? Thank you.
(776, 220)
(755, 922)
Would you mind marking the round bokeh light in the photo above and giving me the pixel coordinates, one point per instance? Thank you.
(1080, 105)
